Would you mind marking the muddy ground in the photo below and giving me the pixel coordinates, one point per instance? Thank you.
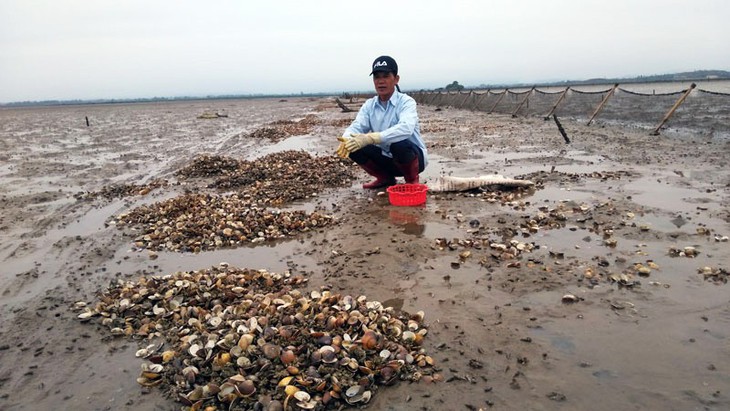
(500, 331)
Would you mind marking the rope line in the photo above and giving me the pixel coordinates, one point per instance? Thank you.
(589, 92)
(537, 90)
(636, 93)
(550, 92)
(717, 93)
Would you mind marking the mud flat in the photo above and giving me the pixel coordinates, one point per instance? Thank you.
(605, 287)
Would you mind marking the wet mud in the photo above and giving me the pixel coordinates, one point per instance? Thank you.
(591, 291)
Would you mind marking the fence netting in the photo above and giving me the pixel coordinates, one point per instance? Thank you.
(698, 109)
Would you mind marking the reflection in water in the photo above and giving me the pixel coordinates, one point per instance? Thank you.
(409, 219)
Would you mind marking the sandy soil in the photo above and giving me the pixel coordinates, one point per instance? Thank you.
(499, 329)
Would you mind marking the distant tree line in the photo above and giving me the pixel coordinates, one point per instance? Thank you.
(454, 86)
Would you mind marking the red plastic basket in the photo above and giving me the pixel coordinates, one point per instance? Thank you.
(407, 194)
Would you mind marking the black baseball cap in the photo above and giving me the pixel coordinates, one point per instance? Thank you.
(385, 63)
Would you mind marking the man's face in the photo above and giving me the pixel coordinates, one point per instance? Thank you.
(385, 82)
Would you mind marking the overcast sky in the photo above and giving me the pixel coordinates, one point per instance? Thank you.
(72, 49)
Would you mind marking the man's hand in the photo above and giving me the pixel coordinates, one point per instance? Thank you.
(341, 149)
(357, 141)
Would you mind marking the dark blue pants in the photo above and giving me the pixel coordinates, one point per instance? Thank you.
(403, 152)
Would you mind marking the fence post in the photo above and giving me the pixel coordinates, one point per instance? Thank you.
(498, 100)
(519, 106)
(600, 106)
(562, 96)
(674, 108)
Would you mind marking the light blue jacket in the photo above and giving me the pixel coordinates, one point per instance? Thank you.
(396, 121)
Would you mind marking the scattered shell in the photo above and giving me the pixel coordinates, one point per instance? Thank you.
(569, 299)
(642, 269)
(718, 275)
(302, 396)
(86, 315)
(688, 251)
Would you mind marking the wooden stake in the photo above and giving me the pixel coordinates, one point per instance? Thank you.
(87, 121)
(524, 100)
(344, 108)
(674, 107)
(562, 96)
(561, 129)
(600, 106)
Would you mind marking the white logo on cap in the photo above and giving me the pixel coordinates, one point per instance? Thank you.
(380, 64)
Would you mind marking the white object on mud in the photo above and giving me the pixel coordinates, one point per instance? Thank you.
(449, 183)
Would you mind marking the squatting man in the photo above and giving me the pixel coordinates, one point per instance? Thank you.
(385, 138)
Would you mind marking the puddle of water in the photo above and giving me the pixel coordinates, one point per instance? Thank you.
(275, 257)
(665, 223)
(570, 240)
(649, 192)
(512, 163)
(450, 295)
(644, 346)
(416, 221)
(552, 194)
(289, 255)
(92, 222)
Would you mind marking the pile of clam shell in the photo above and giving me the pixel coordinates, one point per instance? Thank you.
(202, 222)
(268, 133)
(230, 338)
(209, 165)
(197, 222)
(113, 191)
(342, 122)
(275, 178)
(282, 129)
